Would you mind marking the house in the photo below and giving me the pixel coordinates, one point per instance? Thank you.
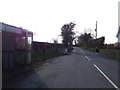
(16, 45)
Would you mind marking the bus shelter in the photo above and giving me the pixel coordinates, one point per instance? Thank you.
(16, 46)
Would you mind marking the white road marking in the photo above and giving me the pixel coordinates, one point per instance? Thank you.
(115, 86)
(73, 50)
(82, 52)
(87, 58)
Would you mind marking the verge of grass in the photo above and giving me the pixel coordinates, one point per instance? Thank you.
(92, 49)
(113, 54)
(39, 56)
(110, 53)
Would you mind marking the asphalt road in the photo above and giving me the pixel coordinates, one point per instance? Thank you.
(80, 69)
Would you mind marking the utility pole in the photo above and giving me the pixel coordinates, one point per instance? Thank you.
(96, 29)
(97, 48)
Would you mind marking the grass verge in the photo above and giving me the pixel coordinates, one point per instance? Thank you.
(39, 56)
(110, 53)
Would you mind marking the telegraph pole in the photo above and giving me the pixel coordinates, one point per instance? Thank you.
(97, 47)
(96, 29)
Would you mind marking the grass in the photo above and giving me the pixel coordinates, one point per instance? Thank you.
(113, 54)
(92, 49)
(110, 53)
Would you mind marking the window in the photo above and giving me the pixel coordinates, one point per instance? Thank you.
(29, 42)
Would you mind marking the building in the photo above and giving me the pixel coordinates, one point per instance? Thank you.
(16, 45)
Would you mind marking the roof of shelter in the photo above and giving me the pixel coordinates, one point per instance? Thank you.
(11, 28)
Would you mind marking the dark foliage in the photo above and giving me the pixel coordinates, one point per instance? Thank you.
(68, 34)
(83, 39)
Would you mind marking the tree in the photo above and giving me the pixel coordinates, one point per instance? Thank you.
(100, 42)
(68, 34)
(55, 41)
(84, 38)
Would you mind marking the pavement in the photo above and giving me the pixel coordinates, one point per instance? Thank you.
(80, 69)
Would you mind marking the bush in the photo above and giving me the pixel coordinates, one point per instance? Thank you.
(70, 49)
(97, 49)
(92, 49)
(39, 56)
(114, 54)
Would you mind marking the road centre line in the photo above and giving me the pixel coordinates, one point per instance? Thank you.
(82, 52)
(87, 58)
(115, 86)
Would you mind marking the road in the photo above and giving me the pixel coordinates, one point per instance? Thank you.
(80, 69)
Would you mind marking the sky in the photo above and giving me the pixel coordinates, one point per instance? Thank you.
(46, 17)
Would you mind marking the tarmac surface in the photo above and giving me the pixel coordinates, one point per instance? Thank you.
(80, 69)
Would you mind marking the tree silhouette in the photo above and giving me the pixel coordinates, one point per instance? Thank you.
(84, 38)
(68, 34)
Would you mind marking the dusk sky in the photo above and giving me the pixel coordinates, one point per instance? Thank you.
(46, 17)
